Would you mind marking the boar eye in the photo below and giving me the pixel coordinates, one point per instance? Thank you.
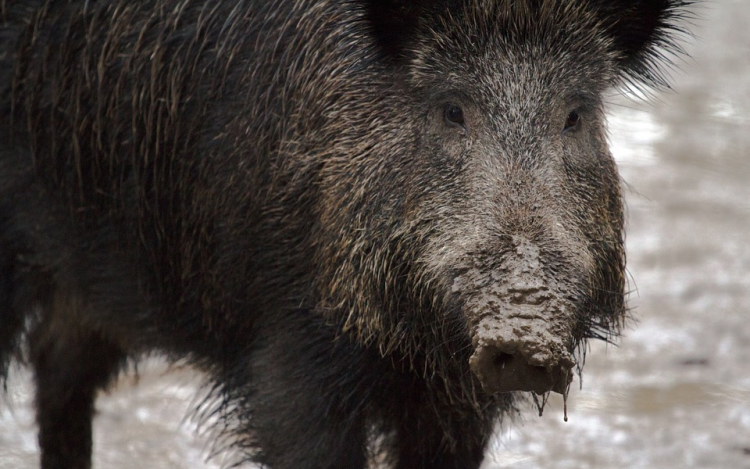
(572, 123)
(454, 116)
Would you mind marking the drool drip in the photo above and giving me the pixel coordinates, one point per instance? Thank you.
(565, 399)
(545, 397)
(540, 407)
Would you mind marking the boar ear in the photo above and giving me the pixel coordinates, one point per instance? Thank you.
(645, 34)
(394, 23)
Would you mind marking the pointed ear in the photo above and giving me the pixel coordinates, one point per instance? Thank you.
(644, 34)
(394, 23)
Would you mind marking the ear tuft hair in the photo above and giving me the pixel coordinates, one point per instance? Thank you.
(646, 36)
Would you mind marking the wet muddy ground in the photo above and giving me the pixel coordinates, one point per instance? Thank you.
(674, 394)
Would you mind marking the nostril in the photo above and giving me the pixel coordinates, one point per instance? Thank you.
(502, 360)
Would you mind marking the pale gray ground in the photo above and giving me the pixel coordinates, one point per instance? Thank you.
(674, 394)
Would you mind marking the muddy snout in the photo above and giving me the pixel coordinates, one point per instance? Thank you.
(522, 350)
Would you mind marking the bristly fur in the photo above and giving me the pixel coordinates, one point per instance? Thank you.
(648, 35)
(270, 191)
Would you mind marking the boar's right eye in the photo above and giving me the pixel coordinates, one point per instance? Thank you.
(454, 116)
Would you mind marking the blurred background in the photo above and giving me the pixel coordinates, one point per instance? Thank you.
(674, 394)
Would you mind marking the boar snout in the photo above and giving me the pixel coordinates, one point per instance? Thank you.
(523, 347)
(521, 320)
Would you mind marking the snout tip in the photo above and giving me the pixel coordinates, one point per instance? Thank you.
(506, 371)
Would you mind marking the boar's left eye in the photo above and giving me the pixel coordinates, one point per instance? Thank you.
(572, 123)
(454, 116)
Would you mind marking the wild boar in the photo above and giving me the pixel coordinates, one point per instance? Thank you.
(369, 222)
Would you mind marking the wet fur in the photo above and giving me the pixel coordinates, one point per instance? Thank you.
(223, 183)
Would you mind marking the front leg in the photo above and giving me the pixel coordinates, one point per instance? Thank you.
(423, 445)
(303, 428)
(71, 365)
(433, 432)
(306, 406)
